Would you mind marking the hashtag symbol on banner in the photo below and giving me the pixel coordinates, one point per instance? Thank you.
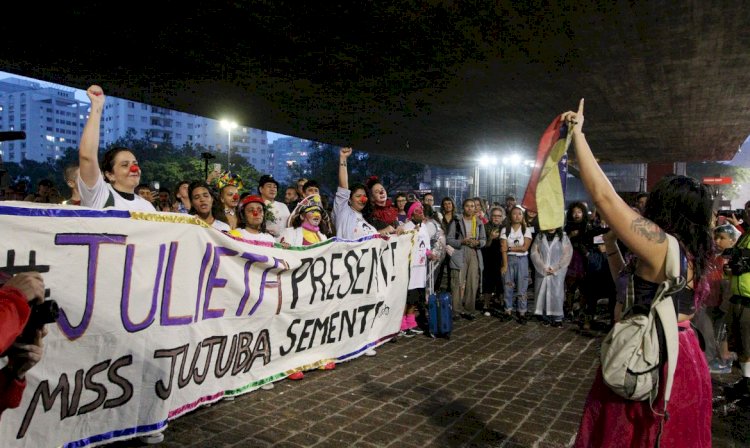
(12, 269)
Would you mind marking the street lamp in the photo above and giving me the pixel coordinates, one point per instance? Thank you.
(228, 125)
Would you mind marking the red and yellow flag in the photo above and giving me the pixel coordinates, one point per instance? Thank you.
(545, 193)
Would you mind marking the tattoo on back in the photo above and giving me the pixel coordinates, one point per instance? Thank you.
(648, 229)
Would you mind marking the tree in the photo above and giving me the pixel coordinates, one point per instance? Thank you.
(323, 164)
(740, 175)
(160, 162)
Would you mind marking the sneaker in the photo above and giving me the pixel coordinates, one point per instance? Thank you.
(522, 319)
(468, 316)
(487, 314)
(152, 439)
(416, 330)
(371, 352)
(557, 324)
(296, 376)
(329, 366)
(718, 367)
(407, 334)
(267, 386)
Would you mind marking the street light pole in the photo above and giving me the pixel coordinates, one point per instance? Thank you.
(228, 126)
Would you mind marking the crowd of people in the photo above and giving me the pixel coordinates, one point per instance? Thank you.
(488, 256)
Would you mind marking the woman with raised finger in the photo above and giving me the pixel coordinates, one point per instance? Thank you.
(679, 206)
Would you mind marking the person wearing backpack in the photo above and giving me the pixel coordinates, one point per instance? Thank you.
(677, 217)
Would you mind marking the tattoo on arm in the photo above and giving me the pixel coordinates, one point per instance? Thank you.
(648, 229)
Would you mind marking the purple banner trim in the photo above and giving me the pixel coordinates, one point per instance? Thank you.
(63, 213)
(366, 347)
(116, 434)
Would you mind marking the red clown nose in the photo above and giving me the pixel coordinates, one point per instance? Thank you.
(256, 212)
(236, 197)
(363, 199)
(134, 168)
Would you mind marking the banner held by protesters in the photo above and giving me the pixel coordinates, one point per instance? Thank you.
(160, 315)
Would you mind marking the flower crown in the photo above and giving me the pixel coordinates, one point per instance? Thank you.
(227, 178)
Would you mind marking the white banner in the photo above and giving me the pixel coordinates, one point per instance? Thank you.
(160, 315)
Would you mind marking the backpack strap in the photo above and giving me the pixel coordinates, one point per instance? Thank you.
(663, 306)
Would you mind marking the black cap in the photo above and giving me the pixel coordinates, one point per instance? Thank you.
(266, 178)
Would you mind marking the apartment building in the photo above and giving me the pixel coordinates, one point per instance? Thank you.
(53, 120)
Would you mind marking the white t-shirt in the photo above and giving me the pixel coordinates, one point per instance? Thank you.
(259, 237)
(220, 225)
(281, 216)
(97, 196)
(350, 225)
(516, 239)
(418, 275)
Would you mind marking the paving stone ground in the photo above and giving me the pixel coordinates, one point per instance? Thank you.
(493, 384)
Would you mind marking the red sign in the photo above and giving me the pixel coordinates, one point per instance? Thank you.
(717, 180)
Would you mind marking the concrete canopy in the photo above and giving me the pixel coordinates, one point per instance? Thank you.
(438, 82)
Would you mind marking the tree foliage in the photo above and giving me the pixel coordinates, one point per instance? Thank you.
(740, 175)
(160, 162)
(323, 165)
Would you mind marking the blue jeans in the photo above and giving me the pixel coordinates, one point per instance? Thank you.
(516, 282)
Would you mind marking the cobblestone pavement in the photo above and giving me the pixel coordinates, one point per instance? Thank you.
(493, 384)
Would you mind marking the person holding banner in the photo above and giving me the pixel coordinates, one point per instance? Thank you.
(348, 206)
(253, 221)
(304, 224)
(116, 189)
(16, 295)
(420, 257)
(201, 205)
(229, 197)
(681, 206)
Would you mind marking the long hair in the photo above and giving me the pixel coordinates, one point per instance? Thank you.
(578, 205)
(509, 221)
(683, 207)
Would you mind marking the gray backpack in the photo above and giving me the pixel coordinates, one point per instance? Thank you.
(630, 353)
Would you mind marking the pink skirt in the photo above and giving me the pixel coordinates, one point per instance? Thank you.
(612, 421)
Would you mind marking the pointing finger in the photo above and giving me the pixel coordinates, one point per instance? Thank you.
(580, 107)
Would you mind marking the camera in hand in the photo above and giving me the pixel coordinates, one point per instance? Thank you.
(738, 213)
(739, 260)
(42, 314)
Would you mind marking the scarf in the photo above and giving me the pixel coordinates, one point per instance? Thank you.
(387, 213)
(310, 227)
(473, 233)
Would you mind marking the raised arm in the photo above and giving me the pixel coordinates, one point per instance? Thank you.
(88, 148)
(646, 239)
(343, 171)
